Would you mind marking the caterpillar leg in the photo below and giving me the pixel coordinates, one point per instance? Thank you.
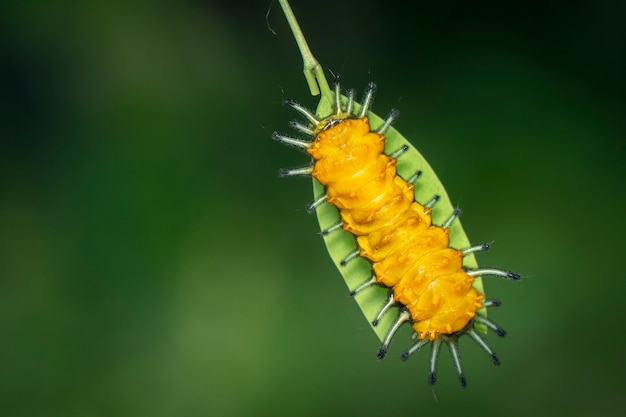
(339, 108)
(434, 357)
(393, 115)
(310, 208)
(308, 114)
(492, 271)
(301, 128)
(492, 303)
(404, 317)
(366, 284)
(490, 324)
(455, 214)
(481, 342)
(432, 201)
(329, 230)
(454, 352)
(367, 100)
(477, 248)
(414, 177)
(287, 140)
(415, 348)
(390, 302)
(304, 171)
(352, 255)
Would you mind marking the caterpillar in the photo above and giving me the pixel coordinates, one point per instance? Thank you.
(436, 287)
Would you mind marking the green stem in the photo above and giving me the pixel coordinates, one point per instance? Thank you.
(313, 71)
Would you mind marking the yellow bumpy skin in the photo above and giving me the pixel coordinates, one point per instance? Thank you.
(377, 206)
(408, 254)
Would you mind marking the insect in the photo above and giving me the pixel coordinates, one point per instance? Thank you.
(382, 236)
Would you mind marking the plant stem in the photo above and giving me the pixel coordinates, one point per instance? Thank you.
(313, 71)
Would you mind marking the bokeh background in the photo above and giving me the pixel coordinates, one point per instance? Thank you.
(152, 263)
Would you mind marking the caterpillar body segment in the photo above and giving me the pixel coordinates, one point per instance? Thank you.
(377, 231)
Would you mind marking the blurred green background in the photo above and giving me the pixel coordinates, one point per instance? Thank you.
(152, 263)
